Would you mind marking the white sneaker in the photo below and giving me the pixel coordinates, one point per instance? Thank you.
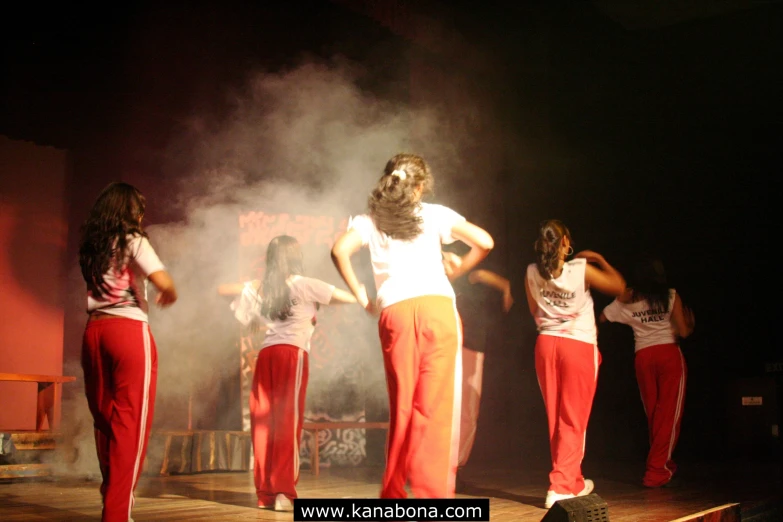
(589, 486)
(552, 497)
(283, 503)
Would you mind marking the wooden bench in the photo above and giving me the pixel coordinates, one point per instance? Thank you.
(44, 383)
(315, 427)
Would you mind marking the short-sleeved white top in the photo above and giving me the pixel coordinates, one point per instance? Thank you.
(408, 269)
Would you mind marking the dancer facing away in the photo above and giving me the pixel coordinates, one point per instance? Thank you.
(119, 357)
(567, 356)
(289, 301)
(658, 318)
(419, 327)
(480, 296)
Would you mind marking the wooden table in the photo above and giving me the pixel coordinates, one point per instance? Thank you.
(315, 427)
(44, 383)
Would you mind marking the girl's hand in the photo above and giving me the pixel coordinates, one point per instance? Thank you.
(508, 301)
(364, 300)
(451, 264)
(372, 309)
(690, 319)
(165, 299)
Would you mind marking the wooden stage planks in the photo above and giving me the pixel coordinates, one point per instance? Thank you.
(230, 496)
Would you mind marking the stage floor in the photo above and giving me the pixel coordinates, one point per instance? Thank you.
(515, 495)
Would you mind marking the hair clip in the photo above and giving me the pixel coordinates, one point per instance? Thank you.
(401, 174)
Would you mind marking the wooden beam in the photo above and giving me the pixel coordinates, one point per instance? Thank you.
(15, 471)
(28, 377)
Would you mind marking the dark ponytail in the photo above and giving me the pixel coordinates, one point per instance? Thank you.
(283, 259)
(394, 204)
(649, 283)
(550, 239)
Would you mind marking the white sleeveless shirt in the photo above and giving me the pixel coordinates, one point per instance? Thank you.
(650, 326)
(565, 306)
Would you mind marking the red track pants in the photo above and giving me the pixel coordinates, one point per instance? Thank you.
(567, 373)
(277, 404)
(120, 364)
(421, 343)
(661, 374)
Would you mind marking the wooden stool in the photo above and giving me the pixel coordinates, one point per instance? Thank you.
(44, 382)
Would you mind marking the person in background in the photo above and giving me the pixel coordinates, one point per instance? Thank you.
(481, 296)
(288, 303)
(659, 319)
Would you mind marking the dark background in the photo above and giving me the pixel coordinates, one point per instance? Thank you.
(645, 130)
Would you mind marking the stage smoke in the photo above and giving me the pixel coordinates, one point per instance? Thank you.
(305, 141)
(308, 141)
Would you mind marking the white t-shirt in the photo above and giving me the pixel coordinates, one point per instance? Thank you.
(565, 306)
(408, 269)
(127, 296)
(650, 326)
(297, 329)
(247, 305)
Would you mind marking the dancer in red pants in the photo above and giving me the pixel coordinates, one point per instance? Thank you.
(567, 356)
(289, 302)
(480, 296)
(658, 318)
(418, 326)
(119, 358)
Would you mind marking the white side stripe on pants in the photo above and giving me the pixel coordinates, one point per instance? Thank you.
(678, 411)
(299, 375)
(456, 411)
(144, 408)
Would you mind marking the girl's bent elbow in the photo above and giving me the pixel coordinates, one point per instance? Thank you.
(487, 243)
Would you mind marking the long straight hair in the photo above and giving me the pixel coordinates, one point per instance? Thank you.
(114, 216)
(550, 238)
(649, 283)
(283, 259)
(393, 203)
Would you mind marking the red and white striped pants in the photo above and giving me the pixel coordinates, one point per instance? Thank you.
(661, 374)
(277, 404)
(120, 364)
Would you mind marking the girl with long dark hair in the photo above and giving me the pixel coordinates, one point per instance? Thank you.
(419, 327)
(289, 302)
(658, 318)
(119, 356)
(567, 356)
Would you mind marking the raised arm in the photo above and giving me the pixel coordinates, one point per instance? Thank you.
(345, 247)
(233, 289)
(604, 278)
(340, 296)
(479, 241)
(493, 280)
(626, 297)
(683, 320)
